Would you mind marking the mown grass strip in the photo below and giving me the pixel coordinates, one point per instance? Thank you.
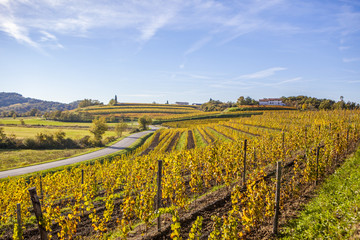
(335, 212)
(181, 144)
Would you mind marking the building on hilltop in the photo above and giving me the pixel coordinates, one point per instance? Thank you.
(271, 101)
(182, 103)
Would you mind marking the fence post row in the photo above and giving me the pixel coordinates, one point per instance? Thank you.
(37, 209)
(277, 197)
(159, 193)
(244, 171)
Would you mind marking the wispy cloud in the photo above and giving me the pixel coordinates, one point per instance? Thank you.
(297, 79)
(349, 60)
(262, 74)
(23, 20)
(15, 30)
(197, 45)
(142, 20)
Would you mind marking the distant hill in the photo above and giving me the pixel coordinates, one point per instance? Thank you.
(16, 102)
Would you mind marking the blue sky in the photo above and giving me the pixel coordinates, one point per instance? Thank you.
(180, 50)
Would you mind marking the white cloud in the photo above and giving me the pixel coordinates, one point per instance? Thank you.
(16, 31)
(262, 74)
(348, 60)
(343, 48)
(224, 21)
(297, 79)
(197, 45)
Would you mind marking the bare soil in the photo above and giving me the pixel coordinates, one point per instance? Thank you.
(153, 145)
(190, 140)
(172, 143)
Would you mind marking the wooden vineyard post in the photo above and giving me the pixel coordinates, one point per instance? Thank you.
(37, 209)
(255, 158)
(277, 197)
(347, 140)
(18, 216)
(244, 171)
(41, 192)
(82, 193)
(283, 144)
(82, 176)
(338, 144)
(159, 193)
(317, 164)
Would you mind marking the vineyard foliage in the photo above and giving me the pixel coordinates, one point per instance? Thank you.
(130, 181)
(159, 112)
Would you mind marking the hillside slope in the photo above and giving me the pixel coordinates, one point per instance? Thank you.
(18, 103)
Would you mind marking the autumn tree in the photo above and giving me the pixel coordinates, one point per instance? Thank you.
(98, 128)
(144, 122)
(120, 128)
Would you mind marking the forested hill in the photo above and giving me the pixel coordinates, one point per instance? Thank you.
(16, 102)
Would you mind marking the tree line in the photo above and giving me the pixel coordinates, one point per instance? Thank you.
(300, 102)
(312, 103)
(58, 140)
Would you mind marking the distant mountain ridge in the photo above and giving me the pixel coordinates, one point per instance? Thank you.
(10, 101)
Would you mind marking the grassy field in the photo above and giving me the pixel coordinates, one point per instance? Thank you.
(26, 132)
(43, 122)
(335, 212)
(20, 158)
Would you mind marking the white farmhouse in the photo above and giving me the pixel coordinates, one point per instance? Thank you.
(271, 101)
(181, 103)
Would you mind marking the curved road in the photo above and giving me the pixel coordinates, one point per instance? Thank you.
(122, 144)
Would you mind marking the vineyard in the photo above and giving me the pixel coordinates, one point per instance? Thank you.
(129, 110)
(215, 180)
(159, 112)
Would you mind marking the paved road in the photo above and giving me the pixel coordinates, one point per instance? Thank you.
(124, 143)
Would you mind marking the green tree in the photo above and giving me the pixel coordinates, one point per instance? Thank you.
(241, 101)
(2, 134)
(339, 105)
(112, 102)
(144, 122)
(98, 128)
(326, 104)
(120, 128)
(33, 112)
(89, 102)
